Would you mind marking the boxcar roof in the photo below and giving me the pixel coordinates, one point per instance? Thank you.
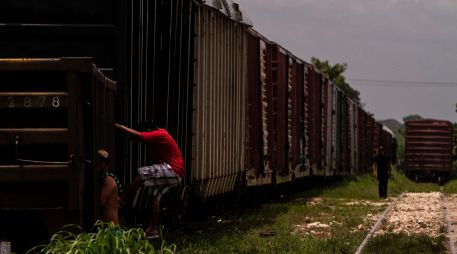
(229, 9)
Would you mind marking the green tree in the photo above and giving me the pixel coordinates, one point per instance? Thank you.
(335, 74)
(412, 118)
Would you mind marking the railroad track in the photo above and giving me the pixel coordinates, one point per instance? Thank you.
(450, 210)
(419, 213)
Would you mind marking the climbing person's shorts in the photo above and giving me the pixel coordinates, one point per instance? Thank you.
(158, 178)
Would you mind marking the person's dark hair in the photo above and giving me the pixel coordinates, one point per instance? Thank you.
(147, 125)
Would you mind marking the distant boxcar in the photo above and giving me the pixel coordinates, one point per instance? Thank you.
(428, 149)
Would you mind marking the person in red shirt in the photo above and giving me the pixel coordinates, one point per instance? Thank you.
(166, 171)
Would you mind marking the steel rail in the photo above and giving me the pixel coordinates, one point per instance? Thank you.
(449, 224)
(376, 225)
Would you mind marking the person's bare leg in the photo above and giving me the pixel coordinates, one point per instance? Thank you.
(153, 228)
(136, 184)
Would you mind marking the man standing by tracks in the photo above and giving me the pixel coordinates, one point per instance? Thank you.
(383, 170)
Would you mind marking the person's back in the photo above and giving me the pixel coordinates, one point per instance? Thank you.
(162, 148)
(109, 200)
(382, 164)
(109, 190)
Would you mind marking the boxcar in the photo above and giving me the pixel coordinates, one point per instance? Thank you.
(353, 137)
(156, 39)
(298, 137)
(57, 113)
(50, 29)
(276, 136)
(314, 119)
(342, 133)
(428, 149)
(258, 171)
(361, 131)
(218, 115)
(377, 133)
(279, 130)
(335, 141)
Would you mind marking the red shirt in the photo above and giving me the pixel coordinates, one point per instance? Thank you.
(163, 148)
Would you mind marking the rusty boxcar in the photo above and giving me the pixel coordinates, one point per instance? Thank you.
(57, 113)
(276, 136)
(314, 119)
(297, 137)
(428, 149)
(342, 135)
(258, 171)
(377, 133)
(352, 136)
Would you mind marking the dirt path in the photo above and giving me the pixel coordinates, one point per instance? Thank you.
(416, 213)
(432, 214)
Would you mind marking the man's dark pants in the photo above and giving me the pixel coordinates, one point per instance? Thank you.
(383, 186)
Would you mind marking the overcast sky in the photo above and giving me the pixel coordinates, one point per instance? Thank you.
(399, 40)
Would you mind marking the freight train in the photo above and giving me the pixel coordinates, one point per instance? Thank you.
(428, 149)
(245, 111)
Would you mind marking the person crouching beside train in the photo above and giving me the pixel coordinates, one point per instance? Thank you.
(110, 189)
(383, 169)
(166, 170)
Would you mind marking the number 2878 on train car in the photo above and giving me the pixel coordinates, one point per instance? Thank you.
(33, 100)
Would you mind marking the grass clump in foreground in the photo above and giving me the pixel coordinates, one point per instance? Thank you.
(107, 239)
(391, 243)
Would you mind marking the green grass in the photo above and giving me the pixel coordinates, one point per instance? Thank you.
(358, 187)
(366, 187)
(272, 227)
(269, 228)
(107, 239)
(451, 186)
(243, 234)
(399, 183)
(401, 243)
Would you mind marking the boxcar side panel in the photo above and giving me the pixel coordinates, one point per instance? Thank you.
(281, 66)
(257, 149)
(335, 130)
(219, 103)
